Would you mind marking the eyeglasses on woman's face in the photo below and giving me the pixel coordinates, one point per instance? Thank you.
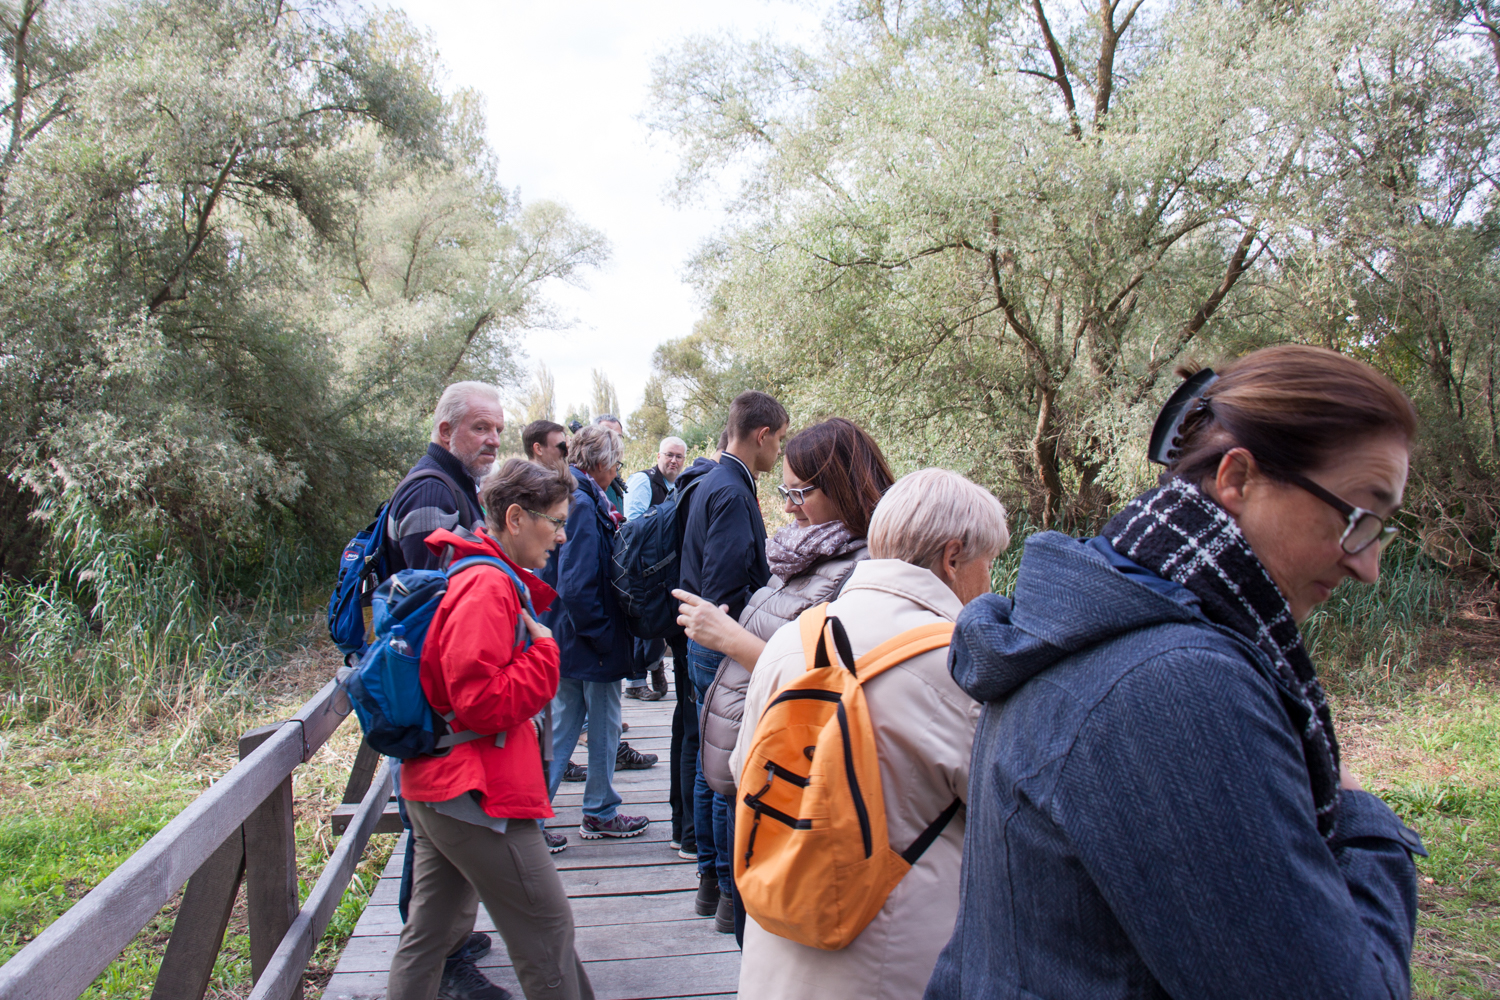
(797, 495)
(558, 523)
(1365, 528)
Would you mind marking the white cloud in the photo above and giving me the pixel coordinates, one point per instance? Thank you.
(565, 85)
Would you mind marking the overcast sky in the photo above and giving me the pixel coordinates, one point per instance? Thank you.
(565, 86)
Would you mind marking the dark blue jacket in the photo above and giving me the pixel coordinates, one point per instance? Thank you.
(428, 504)
(596, 645)
(724, 539)
(1140, 822)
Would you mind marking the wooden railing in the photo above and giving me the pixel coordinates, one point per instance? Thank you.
(241, 829)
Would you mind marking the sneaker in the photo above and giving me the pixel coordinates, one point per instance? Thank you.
(724, 916)
(674, 844)
(620, 826)
(464, 981)
(643, 694)
(555, 841)
(473, 949)
(575, 773)
(706, 903)
(687, 855)
(628, 758)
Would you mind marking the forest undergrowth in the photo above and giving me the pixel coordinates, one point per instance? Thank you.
(1410, 665)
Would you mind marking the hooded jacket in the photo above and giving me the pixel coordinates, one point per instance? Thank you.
(596, 643)
(471, 667)
(1140, 818)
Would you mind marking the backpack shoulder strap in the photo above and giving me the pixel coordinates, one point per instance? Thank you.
(810, 625)
(898, 649)
(523, 636)
(416, 475)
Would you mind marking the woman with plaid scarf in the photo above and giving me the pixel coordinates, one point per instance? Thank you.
(1157, 807)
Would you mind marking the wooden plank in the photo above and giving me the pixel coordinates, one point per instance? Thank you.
(366, 763)
(270, 860)
(600, 942)
(389, 820)
(198, 931)
(61, 962)
(282, 976)
(320, 717)
(629, 881)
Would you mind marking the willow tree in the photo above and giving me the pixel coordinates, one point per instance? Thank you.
(992, 231)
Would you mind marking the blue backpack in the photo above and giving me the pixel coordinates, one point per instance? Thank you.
(647, 565)
(385, 689)
(365, 563)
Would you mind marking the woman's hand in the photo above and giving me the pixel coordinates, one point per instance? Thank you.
(711, 627)
(536, 628)
(706, 625)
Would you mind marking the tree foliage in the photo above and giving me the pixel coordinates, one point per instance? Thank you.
(992, 231)
(243, 245)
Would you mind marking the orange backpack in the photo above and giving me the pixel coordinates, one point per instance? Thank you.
(812, 859)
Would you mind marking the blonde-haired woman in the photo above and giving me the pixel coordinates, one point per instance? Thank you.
(932, 540)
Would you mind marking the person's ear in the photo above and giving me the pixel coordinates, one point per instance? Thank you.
(760, 437)
(1236, 469)
(514, 518)
(952, 549)
(445, 433)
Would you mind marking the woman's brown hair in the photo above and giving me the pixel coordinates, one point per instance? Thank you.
(843, 461)
(1291, 406)
(531, 484)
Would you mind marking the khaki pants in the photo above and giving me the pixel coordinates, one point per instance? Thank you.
(458, 864)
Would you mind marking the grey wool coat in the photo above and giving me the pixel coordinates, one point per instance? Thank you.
(772, 606)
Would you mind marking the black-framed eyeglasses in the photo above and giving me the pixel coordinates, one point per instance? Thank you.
(1365, 528)
(557, 522)
(797, 496)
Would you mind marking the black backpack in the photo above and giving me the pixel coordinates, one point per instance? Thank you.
(646, 566)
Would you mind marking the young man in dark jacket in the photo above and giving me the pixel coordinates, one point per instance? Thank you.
(724, 562)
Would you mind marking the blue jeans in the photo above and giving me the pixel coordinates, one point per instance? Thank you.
(710, 809)
(599, 702)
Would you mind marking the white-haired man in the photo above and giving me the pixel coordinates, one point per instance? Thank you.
(650, 487)
(442, 489)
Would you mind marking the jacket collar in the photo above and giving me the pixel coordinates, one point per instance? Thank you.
(914, 583)
(735, 462)
(479, 543)
(449, 463)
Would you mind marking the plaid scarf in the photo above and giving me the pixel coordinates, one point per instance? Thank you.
(1180, 534)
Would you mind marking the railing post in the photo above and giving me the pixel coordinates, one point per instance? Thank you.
(270, 865)
(366, 763)
(198, 933)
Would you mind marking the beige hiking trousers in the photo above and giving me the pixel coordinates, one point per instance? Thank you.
(456, 865)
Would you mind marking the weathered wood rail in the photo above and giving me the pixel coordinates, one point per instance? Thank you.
(239, 830)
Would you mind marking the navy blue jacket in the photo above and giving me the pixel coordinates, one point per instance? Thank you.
(724, 539)
(1140, 822)
(426, 505)
(596, 644)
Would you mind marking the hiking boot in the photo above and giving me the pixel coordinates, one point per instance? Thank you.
(724, 916)
(464, 981)
(474, 949)
(575, 773)
(707, 901)
(620, 826)
(643, 694)
(555, 841)
(659, 681)
(628, 758)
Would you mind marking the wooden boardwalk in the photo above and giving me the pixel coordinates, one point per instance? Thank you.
(632, 899)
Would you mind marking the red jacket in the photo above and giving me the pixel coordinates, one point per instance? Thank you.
(472, 667)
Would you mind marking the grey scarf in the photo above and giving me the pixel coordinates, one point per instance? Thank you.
(792, 549)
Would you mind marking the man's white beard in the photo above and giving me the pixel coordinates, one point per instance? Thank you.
(470, 463)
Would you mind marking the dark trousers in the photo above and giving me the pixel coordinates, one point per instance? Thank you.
(684, 750)
(710, 809)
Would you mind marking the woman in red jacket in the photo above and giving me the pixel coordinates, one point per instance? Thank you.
(476, 813)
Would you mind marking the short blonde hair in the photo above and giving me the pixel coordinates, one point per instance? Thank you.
(594, 446)
(927, 509)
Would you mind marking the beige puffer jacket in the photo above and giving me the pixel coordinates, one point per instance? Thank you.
(770, 607)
